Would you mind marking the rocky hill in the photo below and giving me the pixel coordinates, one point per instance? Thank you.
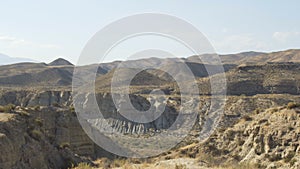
(266, 78)
(34, 74)
(42, 137)
(267, 138)
(60, 62)
(291, 55)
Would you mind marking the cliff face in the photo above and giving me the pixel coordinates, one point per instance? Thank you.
(123, 125)
(269, 139)
(236, 106)
(27, 98)
(50, 136)
(43, 131)
(45, 137)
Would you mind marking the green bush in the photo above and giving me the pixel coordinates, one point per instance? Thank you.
(247, 118)
(8, 108)
(72, 109)
(64, 145)
(37, 108)
(289, 157)
(24, 113)
(180, 166)
(119, 162)
(262, 121)
(56, 105)
(292, 162)
(38, 122)
(274, 157)
(257, 111)
(36, 134)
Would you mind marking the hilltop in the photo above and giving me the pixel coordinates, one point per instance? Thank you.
(60, 62)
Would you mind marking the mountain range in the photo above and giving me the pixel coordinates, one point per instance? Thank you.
(5, 60)
(257, 72)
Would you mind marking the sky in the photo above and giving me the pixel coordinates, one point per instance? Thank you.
(46, 30)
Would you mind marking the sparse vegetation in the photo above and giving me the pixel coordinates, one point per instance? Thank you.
(64, 145)
(82, 166)
(119, 162)
(72, 110)
(239, 166)
(208, 159)
(180, 166)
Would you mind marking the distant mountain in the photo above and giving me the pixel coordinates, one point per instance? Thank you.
(5, 60)
(225, 59)
(267, 78)
(60, 62)
(240, 57)
(179, 69)
(35, 74)
(292, 55)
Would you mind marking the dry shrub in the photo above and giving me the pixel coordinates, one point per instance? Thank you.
(82, 166)
(292, 105)
(247, 118)
(7, 109)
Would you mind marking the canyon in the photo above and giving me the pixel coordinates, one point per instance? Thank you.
(40, 125)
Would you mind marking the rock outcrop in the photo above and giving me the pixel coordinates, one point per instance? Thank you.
(269, 139)
(45, 137)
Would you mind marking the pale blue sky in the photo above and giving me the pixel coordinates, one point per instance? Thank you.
(45, 30)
